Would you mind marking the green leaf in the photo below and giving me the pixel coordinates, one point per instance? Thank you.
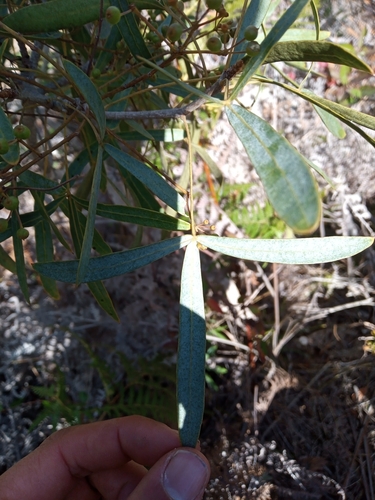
(254, 16)
(129, 30)
(311, 51)
(91, 215)
(281, 26)
(45, 216)
(6, 132)
(296, 34)
(191, 349)
(102, 297)
(77, 226)
(285, 175)
(149, 178)
(165, 135)
(214, 168)
(19, 256)
(89, 92)
(7, 262)
(140, 216)
(331, 122)
(289, 251)
(44, 253)
(115, 264)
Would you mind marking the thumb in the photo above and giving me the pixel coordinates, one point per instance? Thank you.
(181, 474)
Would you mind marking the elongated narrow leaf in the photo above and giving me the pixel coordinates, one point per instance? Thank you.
(115, 264)
(7, 262)
(44, 253)
(276, 33)
(139, 216)
(91, 215)
(129, 30)
(45, 216)
(165, 135)
(19, 257)
(286, 176)
(254, 16)
(289, 251)
(332, 123)
(77, 227)
(296, 34)
(6, 132)
(191, 349)
(102, 297)
(311, 51)
(89, 92)
(149, 178)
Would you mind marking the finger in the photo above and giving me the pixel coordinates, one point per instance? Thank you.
(180, 475)
(52, 470)
(121, 481)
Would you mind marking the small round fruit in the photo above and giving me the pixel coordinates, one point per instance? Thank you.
(252, 48)
(174, 32)
(4, 146)
(214, 4)
(214, 44)
(250, 33)
(113, 15)
(180, 6)
(11, 202)
(3, 225)
(21, 132)
(22, 233)
(95, 73)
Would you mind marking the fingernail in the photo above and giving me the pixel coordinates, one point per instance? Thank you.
(185, 476)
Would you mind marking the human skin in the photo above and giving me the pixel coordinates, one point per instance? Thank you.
(130, 458)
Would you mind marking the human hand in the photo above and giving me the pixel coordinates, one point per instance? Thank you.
(107, 461)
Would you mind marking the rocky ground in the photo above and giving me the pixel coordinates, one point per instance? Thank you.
(293, 415)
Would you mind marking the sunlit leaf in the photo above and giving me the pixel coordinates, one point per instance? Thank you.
(149, 178)
(115, 264)
(274, 36)
(289, 251)
(285, 175)
(311, 51)
(191, 349)
(332, 123)
(89, 92)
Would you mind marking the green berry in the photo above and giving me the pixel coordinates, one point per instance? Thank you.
(22, 233)
(164, 30)
(180, 6)
(174, 32)
(21, 132)
(214, 4)
(95, 73)
(4, 146)
(250, 33)
(11, 202)
(113, 15)
(252, 48)
(3, 225)
(214, 44)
